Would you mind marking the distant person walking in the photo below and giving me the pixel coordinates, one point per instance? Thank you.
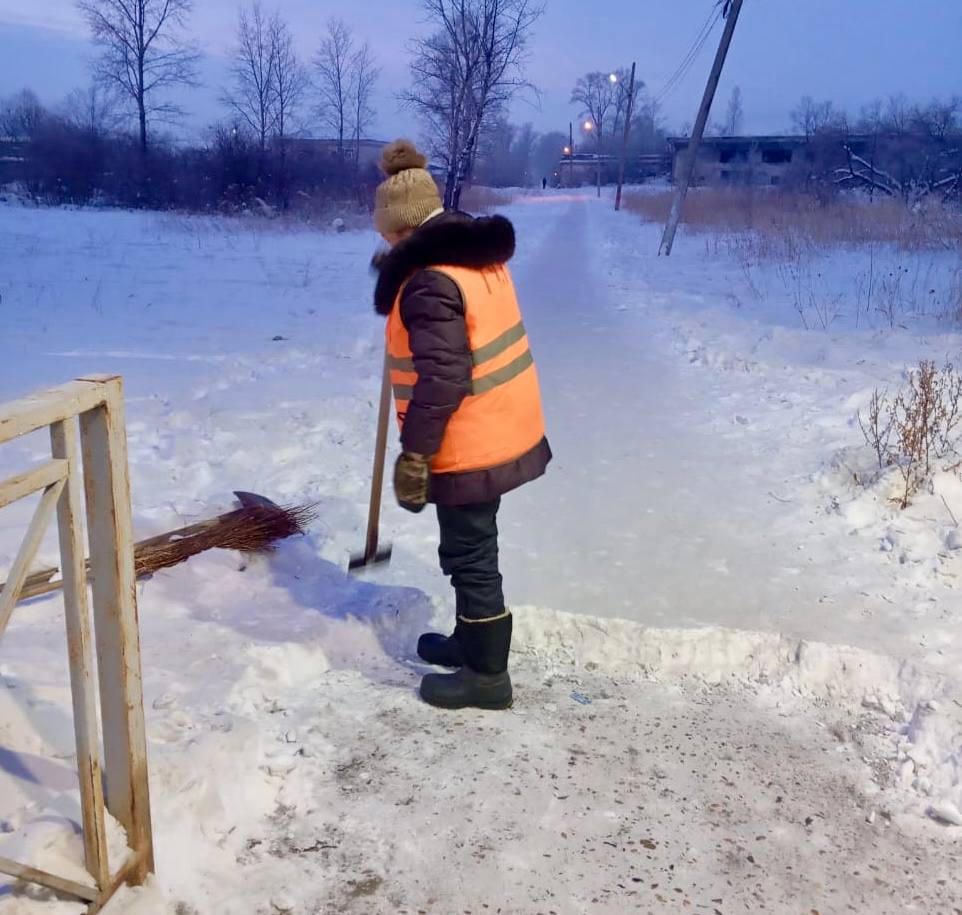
(544, 184)
(468, 405)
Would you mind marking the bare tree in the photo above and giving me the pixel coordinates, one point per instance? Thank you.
(364, 76)
(465, 73)
(648, 129)
(94, 110)
(143, 51)
(597, 97)
(940, 120)
(811, 117)
(735, 114)
(870, 117)
(290, 79)
(898, 116)
(252, 66)
(290, 85)
(21, 116)
(333, 68)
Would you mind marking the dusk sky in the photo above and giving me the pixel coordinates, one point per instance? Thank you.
(849, 51)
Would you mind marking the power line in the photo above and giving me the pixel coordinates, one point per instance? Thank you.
(691, 56)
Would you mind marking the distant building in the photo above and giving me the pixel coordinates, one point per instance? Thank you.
(582, 169)
(369, 151)
(764, 160)
(894, 163)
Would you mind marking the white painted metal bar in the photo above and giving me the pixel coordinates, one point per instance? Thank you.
(28, 549)
(110, 531)
(27, 483)
(36, 411)
(63, 441)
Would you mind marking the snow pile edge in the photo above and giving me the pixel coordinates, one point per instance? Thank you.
(923, 709)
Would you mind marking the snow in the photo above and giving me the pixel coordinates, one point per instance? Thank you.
(736, 667)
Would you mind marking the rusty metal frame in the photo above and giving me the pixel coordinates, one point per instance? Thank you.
(116, 778)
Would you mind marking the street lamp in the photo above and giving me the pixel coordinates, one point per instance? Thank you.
(589, 127)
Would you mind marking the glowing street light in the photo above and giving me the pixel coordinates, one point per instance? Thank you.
(567, 150)
(589, 126)
(613, 78)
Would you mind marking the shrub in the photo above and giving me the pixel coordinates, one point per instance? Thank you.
(920, 427)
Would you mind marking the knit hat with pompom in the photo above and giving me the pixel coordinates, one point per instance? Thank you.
(409, 195)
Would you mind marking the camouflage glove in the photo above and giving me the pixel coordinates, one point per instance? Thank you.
(412, 480)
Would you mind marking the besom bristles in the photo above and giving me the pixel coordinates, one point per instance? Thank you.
(250, 529)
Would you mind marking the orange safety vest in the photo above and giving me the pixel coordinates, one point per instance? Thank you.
(501, 418)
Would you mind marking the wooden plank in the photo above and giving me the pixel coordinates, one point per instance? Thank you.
(28, 549)
(63, 440)
(51, 881)
(26, 484)
(131, 866)
(117, 636)
(36, 411)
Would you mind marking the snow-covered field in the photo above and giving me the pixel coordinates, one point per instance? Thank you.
(737, 670)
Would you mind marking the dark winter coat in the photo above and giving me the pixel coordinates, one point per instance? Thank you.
(432, 310)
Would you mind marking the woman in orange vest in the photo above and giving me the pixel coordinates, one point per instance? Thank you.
(468, 406)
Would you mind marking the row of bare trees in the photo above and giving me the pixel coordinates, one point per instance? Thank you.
(73, 156)
(268, 81)
(466, 72)
(145, 51)
(145, 54)
(894, 148)
(346, 75)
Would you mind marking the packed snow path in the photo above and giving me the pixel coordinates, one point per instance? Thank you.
(684, 496)
(293, 768)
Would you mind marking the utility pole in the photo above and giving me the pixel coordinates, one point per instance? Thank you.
(624, 145)
(598, 160)
(734, 7)
(571, 156)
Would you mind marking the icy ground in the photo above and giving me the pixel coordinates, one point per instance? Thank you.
(743, 697)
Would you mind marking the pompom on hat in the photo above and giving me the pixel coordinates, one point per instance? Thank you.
(409, 195)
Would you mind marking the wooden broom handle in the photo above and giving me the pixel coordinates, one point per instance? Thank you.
(380, 457)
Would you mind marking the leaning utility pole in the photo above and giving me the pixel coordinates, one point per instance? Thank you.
(624, 145)
(733, 7)
(598, 160)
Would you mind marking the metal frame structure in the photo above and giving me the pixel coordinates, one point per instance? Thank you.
(118, 783)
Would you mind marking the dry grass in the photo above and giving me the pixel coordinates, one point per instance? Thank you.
(785, 217)
(902, 264)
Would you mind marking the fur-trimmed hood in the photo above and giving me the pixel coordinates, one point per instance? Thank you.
(450, 239)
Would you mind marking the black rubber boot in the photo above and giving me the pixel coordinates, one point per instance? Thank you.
(467, 688)
(442, 650)
(483, 681)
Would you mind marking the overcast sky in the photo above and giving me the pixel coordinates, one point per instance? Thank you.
(847, 50)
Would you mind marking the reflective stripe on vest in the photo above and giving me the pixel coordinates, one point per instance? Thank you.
(479, 357)
(501, 419)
